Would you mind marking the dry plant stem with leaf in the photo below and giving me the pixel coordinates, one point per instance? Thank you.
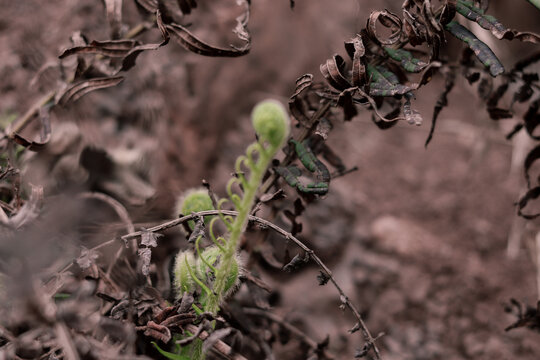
(368, 338)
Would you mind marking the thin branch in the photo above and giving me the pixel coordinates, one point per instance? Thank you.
(286, 325)
(368, 338)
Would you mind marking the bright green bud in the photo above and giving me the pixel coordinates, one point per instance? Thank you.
(212, 255)
(194, 200)
(271, 122)
(184, 266)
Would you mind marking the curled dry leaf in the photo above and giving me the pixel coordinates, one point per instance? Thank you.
(74, 92)
(387, 19)
(356, 50)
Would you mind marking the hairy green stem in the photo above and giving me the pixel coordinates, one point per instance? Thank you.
(238, 228)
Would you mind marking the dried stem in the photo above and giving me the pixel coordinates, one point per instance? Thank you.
(368, 338)
(285, 324)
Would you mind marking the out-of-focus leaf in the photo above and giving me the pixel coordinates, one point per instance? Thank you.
(496, 113)
(529, 60)
(388, 20)
(214, 337)
(75, 91)
(384, 82)
(535, 3)
(187, 5)
(522, 203)
(496, 95)
(442, 102)
(87, 257)
(412, 116)
(45, 133)
(150, 6)
(532, 156)
(523, 94)
(114, 16)
(408, 62)
(482, 51)
(532, 118)
(170, 355)
(488, 22)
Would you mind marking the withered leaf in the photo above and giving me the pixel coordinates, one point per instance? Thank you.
(111, 48)
(388, 20)
(215, 336)
(192, 43)
(114, 16)
(532, 156)
(45, 132)
(522, 203)
(488, 22)
(75, 91)
(145, 255)
(482, 51)
(526, 36)
(442, 101)
(296, 262)
(149, 238)
(302, 83)
(187, 5)
(356, 50)
(334, 72)
(322, 278)
(266, 198)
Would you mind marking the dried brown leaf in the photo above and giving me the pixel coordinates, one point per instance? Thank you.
(75, 91)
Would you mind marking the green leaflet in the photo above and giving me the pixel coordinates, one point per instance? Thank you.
(488, 22)
(535, 3)
(310, 161)
(482, 51)
(170, 355)
(384, 82)
(408, 62)
(291, 174)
